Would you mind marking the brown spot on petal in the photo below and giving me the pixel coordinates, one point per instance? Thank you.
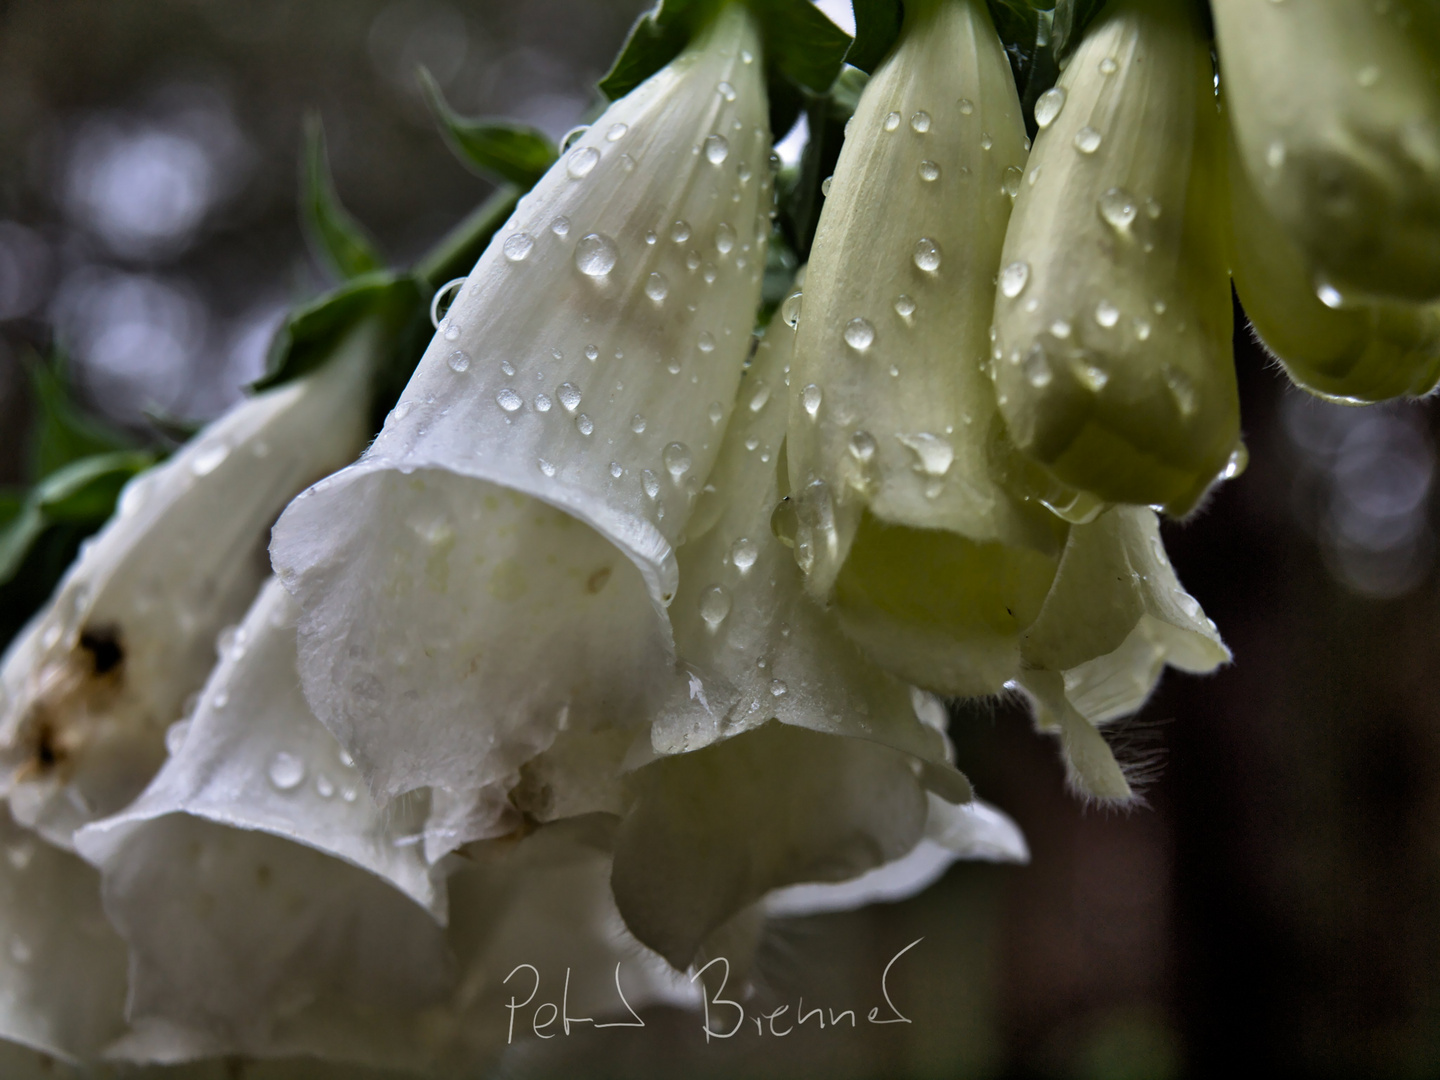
(72, 694)
(597, 580)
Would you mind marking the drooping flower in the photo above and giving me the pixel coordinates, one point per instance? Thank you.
(1359, 352)
(491, 572)
(89, 687)
(931, 566)
(1112, 356)
(1336, 111)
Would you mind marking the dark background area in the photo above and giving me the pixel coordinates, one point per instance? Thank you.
(1274, 905)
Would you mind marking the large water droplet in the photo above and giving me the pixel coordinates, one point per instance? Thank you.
(517, 246)
(680, 231)
(509, 400)
(458, 361)
(929, 171)
(569, 395)
(1108, 66)
(920, 122)
(717, 149)
(1118, 207)
(1087, 140)
(714, 605)
(584, 425)
(927, 255)
(1048, 106)
(790, 309)
(810, 398)
(743, 554)
(581, 161)
(656, 287)
(859, 334)
(1013, 279)
(892, 121)
(677, 459)
(560, 227)
(286, 771)
(595, 255)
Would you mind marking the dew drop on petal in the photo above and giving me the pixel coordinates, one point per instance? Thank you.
(1108, 66)
(715, 604)
(1330, 296)
(966, 106)
(677, 459)
(560, 226)
(680, 231)
(542, 403)
(716, 412)
(324, 786)
(1091, 376)
(584, 425)
(743, 554)
(717, 149)
(546, 467)
(1182, 389)
(1060, 329)
(859, 334)
(1010, 182)
(862, 446)
(458, 361)
(892, 121)
(1048, 106)
(595, 255)
(509, 400)
(724, 238)
(1239, 460)
(778, 689)
(592, 353)
(637, 423)
(927, 255)
(706, 341)
(286, 771)
(581, 161)
(209, 458)
(1013, 279)
(656, 287)
(760, 397)
(985, 141)
(1037, 368)
(790, 309)
(569, 395)
(726, 91)
(920, 122)
(929, 171)
(651, 483)
(452, 332)
(825, 186)
(1087, 140)
(617, 132)
(810, 398)
(1142, 330)
(1118, 207)
(904, 306)
(518, 246)
(1106, 314)
(617, 470)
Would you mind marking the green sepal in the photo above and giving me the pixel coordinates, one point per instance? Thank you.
(63, 432)
(1071, 19)
(309, 335)
(877, 25)
(336, 238)
(499, 149)
(82, 493)
(802, 45)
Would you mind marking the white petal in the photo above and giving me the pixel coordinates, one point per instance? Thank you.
(62, 968)
(711, 832)
(453, 557)
(973, 830)
(1090, 765)
(87, 692)
(253, 756)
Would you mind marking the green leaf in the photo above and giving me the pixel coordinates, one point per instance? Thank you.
(801, 44)
(1026, 33)
(64, 432)
(337, 239)
(309, 335)
(800, 199)
(877, 25)
(497, 148)
(1072, 17)
(17, 537)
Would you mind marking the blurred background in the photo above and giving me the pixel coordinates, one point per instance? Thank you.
(1277, 901)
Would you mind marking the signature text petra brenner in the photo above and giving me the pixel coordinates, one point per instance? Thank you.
(724, 1017)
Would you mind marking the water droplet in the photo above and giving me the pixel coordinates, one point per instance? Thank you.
(582, 160)
(760, 396)
(1013, 279)
(617, 470)
(920, 122)
(560, 226)
(452, 332)
(569, 395)
(929, 171)
(458, 361)
(706, 341)
(595, 255)
(1330, 296)
(790, 309)
(637, 423)
(742, 173)
(717, 149)
(1060, 329)
(546, 467)
(859, 334)
(1182, 389)
(584, 425)
(1142, 330)
(778, 689)
(1239, 460)
(966, 106)
(724, 238)
(1108, 66)
(1091, 376)
(927, 255)
(175, 736)
(208, 458)
(1275, 154)
(324, 786)
(716, 412)
(656, 287)
(904, 307)
(746, 56)
(985, 141)
(542, 403)
(1010, 182)
(825, 186)
(1118, 207)
(517, 246)
(743, 554)
(348, 794)
(1087, 140)
(509, 400)
(1037, 368)
(677, 459)
(714, 605)
(680, 231)
(650, 238)
(810, 398)
(1048, 106)
(1106, 314)
(692, 261)
(286, 771)
(892, 121)
(651, 483)
(726, 91)
(617, 132)
(933, 454)
(592, 353)
(862, 446)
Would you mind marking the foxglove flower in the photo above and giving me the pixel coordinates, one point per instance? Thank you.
(490, 573)
(1358, 352)
(932, 567)
(1336, 109)
(1112, 355)
(89, 687)
(1116, 616)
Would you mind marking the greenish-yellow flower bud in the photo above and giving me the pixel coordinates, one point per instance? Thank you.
(1336, 105)
(1112, 354)
(933, 567)
(1356, 353)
